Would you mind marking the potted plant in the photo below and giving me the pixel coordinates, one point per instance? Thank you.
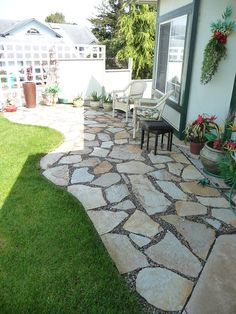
(195, 132)
(215, 148)
(78, 101)
(95, 100)
(107, 102)
(50, 94)
(29, 89)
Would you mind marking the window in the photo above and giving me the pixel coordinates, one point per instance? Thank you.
(170, 56)
(33, 31)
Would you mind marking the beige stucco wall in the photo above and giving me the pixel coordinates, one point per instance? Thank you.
(214, 97)
(171, 5)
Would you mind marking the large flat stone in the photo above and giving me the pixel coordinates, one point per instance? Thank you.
(105, 221)
(151, 199)
(58, 175)
(179, 157)
(126, 152)
(116, 193)
(104, 137)
(71, 159)
(124, 255)
(81, 175)
(122, 135)
(175, 168)
(141, 223)
(190, 208)
(191, 173)
(99, 152)
(198, 189)
(139, 240)
(199, 237)
(171, 253)
(103, 167)
(156, 159)
(216, 289)
(125, 205)
(90, 197)
(107, 179)
(213, 201)
(172, 190)
(164, 175)
(225, 215)
(163, 288)
(134, 167)
(89, 136)
(90, 162)
(49, 160)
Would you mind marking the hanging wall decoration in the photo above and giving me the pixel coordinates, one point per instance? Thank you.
(216, 47)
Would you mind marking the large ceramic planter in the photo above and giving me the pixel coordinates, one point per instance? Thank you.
(29, 89)
(211, 158)
(78, 103)
(94, 104)
(195, 148)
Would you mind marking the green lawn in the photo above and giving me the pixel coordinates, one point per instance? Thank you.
(51, 258)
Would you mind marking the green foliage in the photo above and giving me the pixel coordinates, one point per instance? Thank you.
(107, 99)
(52, 260)
(95, 97)
(52, 89)
(227, 168)
(213, 54)
(55, 18)
(137, 36)
(224, 25)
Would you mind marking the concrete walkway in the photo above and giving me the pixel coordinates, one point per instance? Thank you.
(157, 223)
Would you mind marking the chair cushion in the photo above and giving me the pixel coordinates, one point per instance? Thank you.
(148, 113)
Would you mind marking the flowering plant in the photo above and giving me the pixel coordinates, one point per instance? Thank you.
(196, 131)
(215, 49)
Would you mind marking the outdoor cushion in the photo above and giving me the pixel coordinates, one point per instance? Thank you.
(148, 113)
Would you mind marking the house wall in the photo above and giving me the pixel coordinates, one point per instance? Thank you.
(214, 97)
(167, 6)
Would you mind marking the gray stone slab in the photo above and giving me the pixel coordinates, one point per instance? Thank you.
(81, 175)
(49, 160)
(156, 159)
(213, 201)
(139, 240)
(151, 199)
(90, 197)
(191, 173)
(197, 189)
(58, 175)
(125, 205)
(123, 253)
(108, 144)
(164, 175)
(199, 237)
(141, 223)
(190, 208)
(121, 141)
(91, 143)
(99, 152)
(71, 159)
(89, 162)
(214, 223)
(126, 152)
(216, 289)
(107, 179)
(163, 288)
(116, 193)
(114, 130)
(172, 190)
(136, 167)
(180, 158)
(89, 136)
(171, 253)
(105, 221)
(104, 137)
(175, 168)
(225, 215)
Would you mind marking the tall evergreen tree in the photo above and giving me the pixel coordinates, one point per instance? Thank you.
(105, 27)
(137, 37)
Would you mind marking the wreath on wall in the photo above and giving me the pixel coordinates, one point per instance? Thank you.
(216, 47)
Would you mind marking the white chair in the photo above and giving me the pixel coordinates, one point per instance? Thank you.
(124, 99)
(149, 109)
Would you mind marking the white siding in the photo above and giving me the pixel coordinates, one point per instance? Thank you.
(167, 6)
(214, 97)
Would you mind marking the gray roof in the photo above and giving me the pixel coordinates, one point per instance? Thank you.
(76, 34)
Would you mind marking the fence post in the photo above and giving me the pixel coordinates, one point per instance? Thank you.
(130, 66)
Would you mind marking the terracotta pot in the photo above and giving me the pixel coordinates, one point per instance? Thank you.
(195, 148)
(210, 158)
(29, 89)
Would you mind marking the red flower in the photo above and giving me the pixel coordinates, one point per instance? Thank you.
(217, 144)
(212, 118)
(199, 119)
(223, 39)
(230, 145)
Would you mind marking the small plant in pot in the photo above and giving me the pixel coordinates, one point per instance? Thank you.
(50, 94)
(195, 132)
(107, 102)
(78, 101)
(95, 100)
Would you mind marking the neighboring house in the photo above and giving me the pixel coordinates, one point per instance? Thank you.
(183, 30)
(32, 29)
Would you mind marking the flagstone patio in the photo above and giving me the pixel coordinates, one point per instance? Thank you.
(155, 219)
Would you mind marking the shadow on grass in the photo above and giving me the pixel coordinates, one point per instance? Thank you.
(52, 260)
